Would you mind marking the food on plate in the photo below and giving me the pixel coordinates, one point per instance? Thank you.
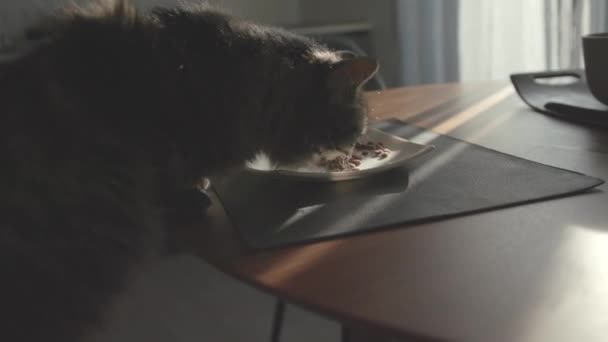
(342, 161)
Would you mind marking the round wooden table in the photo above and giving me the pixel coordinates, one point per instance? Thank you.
(536, 272)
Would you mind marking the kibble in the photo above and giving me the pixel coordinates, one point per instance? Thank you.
(345, 162)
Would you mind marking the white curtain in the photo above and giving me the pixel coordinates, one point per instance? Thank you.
(498, 38)
(428, 40)
(477, 40)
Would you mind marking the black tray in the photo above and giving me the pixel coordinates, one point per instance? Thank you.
(573, 102)
(457, 178)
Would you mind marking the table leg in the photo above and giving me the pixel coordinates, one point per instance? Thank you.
(358, 334)
(348, 333)
(277, 322)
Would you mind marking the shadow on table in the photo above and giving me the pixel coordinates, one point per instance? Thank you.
(286, 205)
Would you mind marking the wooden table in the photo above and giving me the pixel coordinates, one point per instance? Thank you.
(537, 272)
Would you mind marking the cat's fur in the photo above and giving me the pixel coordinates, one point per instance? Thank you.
(114, 114)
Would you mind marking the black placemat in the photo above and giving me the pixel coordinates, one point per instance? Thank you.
(456, 178)
(572, 101)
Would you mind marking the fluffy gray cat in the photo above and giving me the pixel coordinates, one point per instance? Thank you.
(115, 115)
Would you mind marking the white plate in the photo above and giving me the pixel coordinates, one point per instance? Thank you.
(402, 151)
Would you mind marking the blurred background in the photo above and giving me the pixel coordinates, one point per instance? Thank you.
(416, 41)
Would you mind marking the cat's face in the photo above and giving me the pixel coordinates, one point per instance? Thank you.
(304, 97)
(324, 107)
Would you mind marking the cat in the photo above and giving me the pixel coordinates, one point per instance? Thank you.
(115, 115)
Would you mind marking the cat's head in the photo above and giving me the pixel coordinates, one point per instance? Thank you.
(287, 95)
(323, 105)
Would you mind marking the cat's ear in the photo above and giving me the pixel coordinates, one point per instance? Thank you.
(352, 73)
(345, 55)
